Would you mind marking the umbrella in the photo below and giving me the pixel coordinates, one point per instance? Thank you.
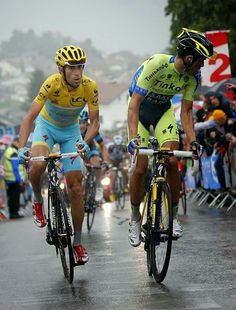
(220, 86)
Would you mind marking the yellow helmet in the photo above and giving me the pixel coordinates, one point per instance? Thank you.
(70, 55)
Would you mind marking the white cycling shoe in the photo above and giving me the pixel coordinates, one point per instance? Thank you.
(177, 228)
(135, 233)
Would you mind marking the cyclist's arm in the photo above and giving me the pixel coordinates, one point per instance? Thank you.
(133, 114)
(187, 119)
(27, 123)
(104, 151)
(93, 126)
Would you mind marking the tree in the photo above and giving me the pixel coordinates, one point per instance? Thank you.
(204, 15)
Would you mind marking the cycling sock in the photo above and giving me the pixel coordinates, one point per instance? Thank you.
(77, 237)
(175, 207)
(38, 197)
(135, 214)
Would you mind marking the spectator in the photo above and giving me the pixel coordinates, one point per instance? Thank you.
(232, 87)
(217, 119)
(2, 183)
(219, 101)
(201, 114)
(14, 178)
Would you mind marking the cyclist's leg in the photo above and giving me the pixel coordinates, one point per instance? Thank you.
(137, 180)
(73, 174)
(137, 190)
(42, 143)
(166, 132)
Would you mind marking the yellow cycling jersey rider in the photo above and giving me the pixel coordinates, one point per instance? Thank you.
(62, 107)
(55, 111)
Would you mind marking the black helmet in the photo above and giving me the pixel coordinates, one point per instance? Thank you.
(192, 41)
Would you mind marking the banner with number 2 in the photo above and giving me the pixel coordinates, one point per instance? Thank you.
(218, 69)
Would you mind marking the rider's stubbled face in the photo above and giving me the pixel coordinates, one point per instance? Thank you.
(74, 74)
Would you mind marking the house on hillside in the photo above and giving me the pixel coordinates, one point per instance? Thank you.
(113, 104)
(8, 70)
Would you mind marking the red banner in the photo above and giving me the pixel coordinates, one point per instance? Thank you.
(218, 69)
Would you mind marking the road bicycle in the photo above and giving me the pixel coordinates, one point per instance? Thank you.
(89, 189)
(157, 213)
(119, 187)
(59, 230)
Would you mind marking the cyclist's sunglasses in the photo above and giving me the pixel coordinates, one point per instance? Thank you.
(75, 64)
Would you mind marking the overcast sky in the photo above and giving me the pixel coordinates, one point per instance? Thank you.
(136, 25)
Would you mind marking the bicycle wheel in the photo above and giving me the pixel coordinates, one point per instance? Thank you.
(161, 235)
(146, 232)
(90, 203)
(91, 210)
(64, 232)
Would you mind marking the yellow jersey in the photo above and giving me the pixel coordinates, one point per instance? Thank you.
(62, 107)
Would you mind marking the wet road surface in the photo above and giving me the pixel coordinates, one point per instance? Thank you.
(201, 275)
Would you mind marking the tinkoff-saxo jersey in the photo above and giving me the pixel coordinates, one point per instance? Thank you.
(62, 107)
(158, 81)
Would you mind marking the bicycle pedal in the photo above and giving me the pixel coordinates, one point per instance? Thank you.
(49, 240)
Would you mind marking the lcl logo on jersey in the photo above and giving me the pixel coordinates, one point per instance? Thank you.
(77, 102)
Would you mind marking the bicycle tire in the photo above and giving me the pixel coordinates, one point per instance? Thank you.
(146, 231)
(161, 236)
(89, 201)
(64, 233)
(90, 217)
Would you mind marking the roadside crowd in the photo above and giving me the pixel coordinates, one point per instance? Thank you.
(215, 126)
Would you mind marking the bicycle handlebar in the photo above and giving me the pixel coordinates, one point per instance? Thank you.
(165, 153)
(176, 153)
(54, 156)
